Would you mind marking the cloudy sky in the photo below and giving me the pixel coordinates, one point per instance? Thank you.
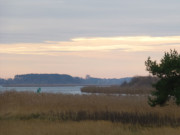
(107, 39)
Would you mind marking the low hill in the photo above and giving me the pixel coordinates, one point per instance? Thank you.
(59, 79)
(137, 85)
(141, 81)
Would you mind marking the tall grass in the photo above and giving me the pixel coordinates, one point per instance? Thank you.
(58, 107)
(39, 127)
(118, 89)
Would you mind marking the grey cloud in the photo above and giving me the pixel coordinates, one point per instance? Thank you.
(40, 20)
(84, 8)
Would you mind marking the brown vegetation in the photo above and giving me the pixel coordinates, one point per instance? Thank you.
(39, 127)
(117, 89)
(138, 85)
(26, 113)
(58, 107)
(141, 81)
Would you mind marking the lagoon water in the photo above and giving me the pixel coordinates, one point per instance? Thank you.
(59, 89)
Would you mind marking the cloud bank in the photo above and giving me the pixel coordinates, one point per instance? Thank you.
(96, 44)
(60, 20)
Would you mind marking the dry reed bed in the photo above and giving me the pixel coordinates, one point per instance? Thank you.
(117, 89)
(58, 107)
(39, 127)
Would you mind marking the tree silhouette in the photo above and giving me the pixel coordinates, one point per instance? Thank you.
(168, 72)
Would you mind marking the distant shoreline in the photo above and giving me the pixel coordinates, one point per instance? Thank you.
(48, 85)
(55, 80)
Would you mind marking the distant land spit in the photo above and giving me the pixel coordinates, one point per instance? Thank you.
(50, 80)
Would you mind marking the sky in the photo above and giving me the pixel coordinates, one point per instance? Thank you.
(102, 38)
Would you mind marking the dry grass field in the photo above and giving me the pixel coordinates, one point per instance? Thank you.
(39, 127)
(118, 89)
(38, 114)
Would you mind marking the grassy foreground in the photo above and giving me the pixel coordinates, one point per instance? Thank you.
(38, 114)
(38, 127)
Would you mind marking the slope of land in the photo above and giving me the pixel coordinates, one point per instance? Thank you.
(137, 85)
(58, 79)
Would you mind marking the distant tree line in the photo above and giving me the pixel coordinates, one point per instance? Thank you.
(140, 81)
(60, 79)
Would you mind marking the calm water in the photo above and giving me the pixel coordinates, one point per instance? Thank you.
(59, 89)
